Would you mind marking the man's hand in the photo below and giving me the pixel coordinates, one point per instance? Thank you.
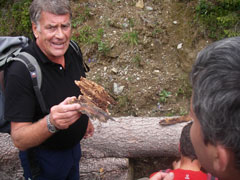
(65, 113)
(90, 130)
(163, 176)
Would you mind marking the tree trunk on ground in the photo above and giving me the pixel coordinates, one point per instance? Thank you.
(132, 137)
(105, 155)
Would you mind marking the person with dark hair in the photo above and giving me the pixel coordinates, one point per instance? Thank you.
(49, 142)
(188, 167)
(185, 147)
(215, 109)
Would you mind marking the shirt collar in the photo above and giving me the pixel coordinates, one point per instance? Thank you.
(44, 58)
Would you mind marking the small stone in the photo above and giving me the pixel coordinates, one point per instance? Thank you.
(179, 46)
(117, 89)
(156, 71)
(114, 70)
(125, 25)
(149, 8)
(175, 22)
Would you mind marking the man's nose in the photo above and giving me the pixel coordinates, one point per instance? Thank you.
(59, 33)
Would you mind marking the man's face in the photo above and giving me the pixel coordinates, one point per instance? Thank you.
(204, 152)
(53, 34)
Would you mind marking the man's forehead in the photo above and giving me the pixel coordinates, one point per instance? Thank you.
(55, 18)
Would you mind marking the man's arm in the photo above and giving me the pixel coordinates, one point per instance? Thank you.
(26, 134)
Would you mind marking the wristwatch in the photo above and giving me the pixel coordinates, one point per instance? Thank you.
(50, 126)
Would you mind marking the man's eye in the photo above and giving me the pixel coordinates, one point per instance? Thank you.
(65, 27)
(51, 27)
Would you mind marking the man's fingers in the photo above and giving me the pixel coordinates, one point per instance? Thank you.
(68, 100)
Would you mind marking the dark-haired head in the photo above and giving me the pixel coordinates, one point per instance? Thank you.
(216, 94)
(186, 147)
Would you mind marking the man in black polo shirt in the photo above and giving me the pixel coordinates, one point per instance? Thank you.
(48, 143)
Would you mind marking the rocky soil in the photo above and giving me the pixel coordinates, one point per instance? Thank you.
(148, 53)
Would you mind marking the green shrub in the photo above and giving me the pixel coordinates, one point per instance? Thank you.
(87, 35)
(164, 95)
(17, 18)
(219, 17)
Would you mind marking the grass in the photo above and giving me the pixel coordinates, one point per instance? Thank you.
(137, 61)
(131, 38)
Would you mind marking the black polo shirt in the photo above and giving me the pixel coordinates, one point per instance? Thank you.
(21, 104)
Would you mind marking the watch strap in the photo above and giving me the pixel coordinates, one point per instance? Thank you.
(50, 126)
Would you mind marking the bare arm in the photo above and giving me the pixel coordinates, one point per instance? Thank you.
(26, 134)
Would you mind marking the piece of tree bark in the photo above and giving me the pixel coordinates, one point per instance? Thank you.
(131, 137)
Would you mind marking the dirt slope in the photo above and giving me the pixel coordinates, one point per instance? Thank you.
(150, 71)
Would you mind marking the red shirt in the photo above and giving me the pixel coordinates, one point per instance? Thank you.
(181, 174)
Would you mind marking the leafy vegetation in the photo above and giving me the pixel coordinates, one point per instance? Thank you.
(164, 95)
(221, 18)
(17, 18)
(86, 35)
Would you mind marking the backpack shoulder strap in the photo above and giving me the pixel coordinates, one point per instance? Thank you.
(35, 72)
(76, 48)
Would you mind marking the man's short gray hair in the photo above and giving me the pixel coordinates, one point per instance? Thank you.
(216, 94)
(58, 7)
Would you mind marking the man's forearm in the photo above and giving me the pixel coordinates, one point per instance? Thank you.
(26, 135)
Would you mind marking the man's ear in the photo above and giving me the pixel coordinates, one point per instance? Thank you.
(222, 158)
(34, 29)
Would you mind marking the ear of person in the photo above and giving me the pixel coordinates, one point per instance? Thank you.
(34, 29)
(222, 159)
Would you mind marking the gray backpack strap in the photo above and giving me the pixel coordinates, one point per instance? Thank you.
(76, 48)
(32, 65)
(35, 73)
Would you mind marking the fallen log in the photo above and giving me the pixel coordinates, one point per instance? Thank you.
(132, 137)
(10, 167)
(106, 153)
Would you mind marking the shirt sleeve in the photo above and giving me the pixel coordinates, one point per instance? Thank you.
(20, 100)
